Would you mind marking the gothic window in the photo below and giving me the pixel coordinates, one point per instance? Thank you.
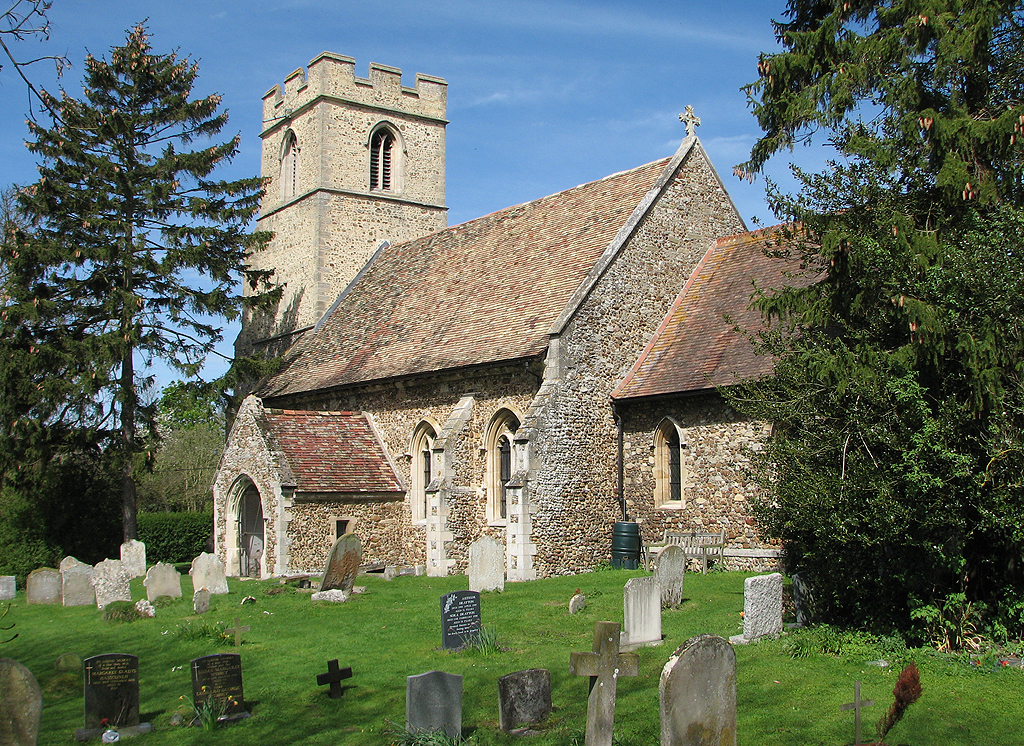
(382, 160)
(424, 470)
(669, 466)
(289, 165)
(498, 448)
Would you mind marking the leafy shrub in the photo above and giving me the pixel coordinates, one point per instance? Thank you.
(119, 612)
(484, 644)
(174, 537)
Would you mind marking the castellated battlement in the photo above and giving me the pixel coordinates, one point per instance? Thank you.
(333, 76)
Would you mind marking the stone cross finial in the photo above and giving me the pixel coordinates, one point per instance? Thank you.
(691, 120)
(856, 706)
(604, 665)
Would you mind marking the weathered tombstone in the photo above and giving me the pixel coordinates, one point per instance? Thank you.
(162, 580)
(334, 596)
(460, 618)
(68, 663)
(111, 582)
(433, 701)
(762, 607)
(8, 587)
(486, 565)
(208, 572)
(641, 603)
(220, 677)
(133, 557)
(698, 694)
(76, 583)
(334, 676)
(21, 704)
(111, 690)
(605, 664)
(343, 563)
(670, 574)
(803, 599)
(201, 601)
(524, 698)
(43, 586)
(577, 603)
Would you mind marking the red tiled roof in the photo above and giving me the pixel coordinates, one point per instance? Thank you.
(696, 348)
(480, 292)
(332, 451)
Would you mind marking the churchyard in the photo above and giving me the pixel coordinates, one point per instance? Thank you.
(334, 673)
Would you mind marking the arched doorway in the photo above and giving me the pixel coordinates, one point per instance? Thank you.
(250, 532)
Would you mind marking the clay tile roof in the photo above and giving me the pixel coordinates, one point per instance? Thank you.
(332, 451)
(480, 292)
(696, 348)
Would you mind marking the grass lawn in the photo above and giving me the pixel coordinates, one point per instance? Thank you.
(393, 630)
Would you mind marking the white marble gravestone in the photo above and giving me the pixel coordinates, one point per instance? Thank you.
(43, 586)
(486, 565)
(208, 572)
(698, 694)
(641, 603)
(162, 580)
(133, 558)
(111, 582)
(8, 587)
(76, 583)
(670, 574)
(762, 607)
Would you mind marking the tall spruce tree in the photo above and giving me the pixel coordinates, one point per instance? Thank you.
(893, 476)
(134, 253)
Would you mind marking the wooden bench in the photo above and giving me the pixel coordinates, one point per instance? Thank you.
(694, 543)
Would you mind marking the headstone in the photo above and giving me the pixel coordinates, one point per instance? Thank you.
(111, 582)
(43, 586)
(133, 557)
(8, 587)
(641, 603)
(111, 690)
(524, 698)
(460, 618)
(334, 677)
(802, 599)
(201, 601)
(333, 596)
(208, 572)
(433, 701)
(220, 677)
(21, 704)
(698, 694)
(577, 603)
(162, 580)
(76, 583)
(605, 664)
(856, 705)
(486, 565)
(762, 607)
(237, 631)
(342, 564)
(670, 574)
(68, 663)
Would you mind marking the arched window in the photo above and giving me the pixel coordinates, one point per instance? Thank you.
(669, 466)
(383, 160)
(423, 469)
(289, 165)
(500, 464)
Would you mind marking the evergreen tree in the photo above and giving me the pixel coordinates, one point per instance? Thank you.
(134, 253)
(893, 476)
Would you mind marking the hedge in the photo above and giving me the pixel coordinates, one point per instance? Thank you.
(175, 537)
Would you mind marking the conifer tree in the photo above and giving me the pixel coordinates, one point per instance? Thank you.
(134, 253)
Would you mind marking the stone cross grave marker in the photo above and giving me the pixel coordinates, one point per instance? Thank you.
(334, 676)
(641, 603)
(201, 601)
(208, 572)
(698, 694)
(856, 705)
(111, 582)
(21, 704)
(433, 701)
(133, 557)
(219, 677)
(8, 587)
(486, 565)
(162, 580)
(670, 575)
(343, 563)
(762, 607)
(76, 583)
(604, 665)
(460, 618)
(524, 698)
(111, 690)
(237, 631)
(43, 586)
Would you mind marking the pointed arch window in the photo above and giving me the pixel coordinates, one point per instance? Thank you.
(424, 469)
(500, 464)
(669, 466)
(289, 165)
(383, 161)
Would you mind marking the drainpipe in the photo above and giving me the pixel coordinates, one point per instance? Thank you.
(619, 465)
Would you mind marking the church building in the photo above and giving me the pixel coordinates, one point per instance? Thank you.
(533, 375)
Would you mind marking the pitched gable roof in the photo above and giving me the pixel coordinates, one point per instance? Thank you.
(481, 292)
(331, 451)
(696, 347)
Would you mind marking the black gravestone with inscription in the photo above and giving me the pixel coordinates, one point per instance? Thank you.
(460, 618)
(111, 690)
(218, 676)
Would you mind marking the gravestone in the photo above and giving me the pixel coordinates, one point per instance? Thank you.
(76, 583)
(68, 663)
(762, 607)
(486, 565)
(162, 580)
(524, 698)
(604, 664)
(433, 701)
(111, 582)
(43, 586)
(133, 557)
(21, 704)
(803, 599)
(111, 690)
(220, 677)
(698, 694)
(577, 603)
(208, 572)
(8, 587)
(460, 618)
(343, 563)
(201, 601)
(641, 603)
(334, 596)
(334, 676)
(670, 574)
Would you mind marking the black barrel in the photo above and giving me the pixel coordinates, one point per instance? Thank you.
(626, 545)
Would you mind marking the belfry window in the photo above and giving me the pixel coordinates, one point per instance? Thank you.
(382, 160)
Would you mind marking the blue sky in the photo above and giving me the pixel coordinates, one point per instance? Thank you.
(542, 96)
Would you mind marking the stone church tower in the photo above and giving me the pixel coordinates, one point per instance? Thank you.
(352, 162)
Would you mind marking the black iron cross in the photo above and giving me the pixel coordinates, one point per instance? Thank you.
(856, 706)
(333, 677)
